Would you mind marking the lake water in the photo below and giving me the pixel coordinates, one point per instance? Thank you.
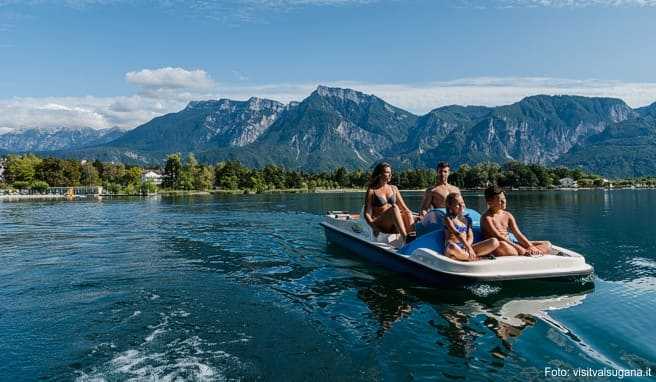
(246, 287)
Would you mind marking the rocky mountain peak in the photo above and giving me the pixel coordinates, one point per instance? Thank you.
(613, 109)
(343, 94)
(225, 104)
(257, 104)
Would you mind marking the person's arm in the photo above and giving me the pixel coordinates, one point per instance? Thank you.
(523, 240)
(470, 235)
(469, 242)
(368, 211)
(425, 203)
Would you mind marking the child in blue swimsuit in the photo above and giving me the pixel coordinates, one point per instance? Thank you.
(458, 234)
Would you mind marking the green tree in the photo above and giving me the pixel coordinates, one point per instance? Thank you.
(186, 180)
(274, 176)
(21, 185)
(89, 175)
(131, 189)
(229, 182)
(230, 175)
(172, 170)
(293, 179)
(132, 176)
(51, 171)
(341, 177)
(476, 177)
(543, 175)
(113, 173)
(199, 176)
(359, 179)
(255, 182)
(100, 167)
(112, 188)
(72, 170)
(21, 168)
(39, 186)
(204, 178)
(148, 187)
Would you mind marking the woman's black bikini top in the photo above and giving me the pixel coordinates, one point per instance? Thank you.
(379, 201)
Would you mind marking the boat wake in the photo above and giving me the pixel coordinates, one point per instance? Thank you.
(163, 355)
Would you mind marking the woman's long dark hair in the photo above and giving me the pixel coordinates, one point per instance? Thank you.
(374, 179)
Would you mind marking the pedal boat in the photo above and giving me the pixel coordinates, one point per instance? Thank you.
(423, 258)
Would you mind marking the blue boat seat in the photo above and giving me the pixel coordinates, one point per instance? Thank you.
(430, 231)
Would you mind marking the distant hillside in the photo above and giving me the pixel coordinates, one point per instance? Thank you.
(203, 125)
(335, 127)
(51, 139)
(626, 149)
(537, 129)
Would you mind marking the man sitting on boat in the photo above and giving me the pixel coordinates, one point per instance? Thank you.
(435, 197)
(384, 208)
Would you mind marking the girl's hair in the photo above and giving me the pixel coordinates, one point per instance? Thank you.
(450, 200)
(377, 173)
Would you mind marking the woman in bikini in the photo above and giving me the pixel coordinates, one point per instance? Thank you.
(384, 208)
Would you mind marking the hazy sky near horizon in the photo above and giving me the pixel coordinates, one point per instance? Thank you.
(103, 63)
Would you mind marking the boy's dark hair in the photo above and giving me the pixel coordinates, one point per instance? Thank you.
(442, 165)
(493, 191)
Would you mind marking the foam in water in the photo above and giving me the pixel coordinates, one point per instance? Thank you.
(166, 359)
(483, 290)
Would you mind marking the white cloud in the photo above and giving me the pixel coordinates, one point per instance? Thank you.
(133, 110)
(160, 91)
(171, 79)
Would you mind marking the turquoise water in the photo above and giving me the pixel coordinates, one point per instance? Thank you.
(246, 287)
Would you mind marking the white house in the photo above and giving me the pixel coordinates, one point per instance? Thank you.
(151, 175)
(568, 183)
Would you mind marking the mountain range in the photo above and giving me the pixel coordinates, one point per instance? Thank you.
(342, 127)
(49, 139)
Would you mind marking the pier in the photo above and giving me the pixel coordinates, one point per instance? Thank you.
(54, 193)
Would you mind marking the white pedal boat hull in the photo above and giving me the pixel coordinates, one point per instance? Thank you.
(352, 233)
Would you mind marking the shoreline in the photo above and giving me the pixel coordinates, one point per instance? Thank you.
(175, 193)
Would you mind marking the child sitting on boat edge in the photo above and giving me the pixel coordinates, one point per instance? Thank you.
(496, 223)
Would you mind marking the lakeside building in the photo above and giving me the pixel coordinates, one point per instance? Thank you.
(568, 183)
(152, 175)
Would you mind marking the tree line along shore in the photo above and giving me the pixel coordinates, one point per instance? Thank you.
(36, 174)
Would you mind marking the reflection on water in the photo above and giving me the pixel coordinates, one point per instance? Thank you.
(246, 287)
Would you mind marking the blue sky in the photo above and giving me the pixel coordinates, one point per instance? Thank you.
(104, 63)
